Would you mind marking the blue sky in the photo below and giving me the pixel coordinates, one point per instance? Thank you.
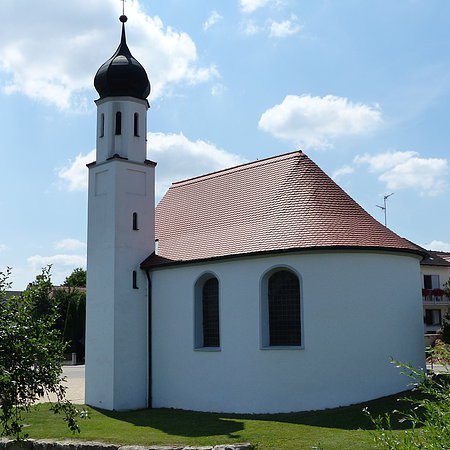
(362, 87)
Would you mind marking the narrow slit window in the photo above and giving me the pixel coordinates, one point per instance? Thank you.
(135, 221)
(118, 123)
(102, 125)
(210, 310)
(135, 286)
(136, 124)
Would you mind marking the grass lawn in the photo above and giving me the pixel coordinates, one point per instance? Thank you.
(340, 428)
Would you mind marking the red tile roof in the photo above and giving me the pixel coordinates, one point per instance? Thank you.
(277, 204)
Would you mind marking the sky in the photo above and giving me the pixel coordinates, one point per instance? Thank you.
(363, 88)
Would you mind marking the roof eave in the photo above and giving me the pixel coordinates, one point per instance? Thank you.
(147, 265)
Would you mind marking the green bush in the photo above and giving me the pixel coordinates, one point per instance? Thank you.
(31, 354)
(428, 416)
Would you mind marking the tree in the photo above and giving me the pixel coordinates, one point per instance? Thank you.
(445, 329)
(76, 279)
(71, 303)
(31, 354)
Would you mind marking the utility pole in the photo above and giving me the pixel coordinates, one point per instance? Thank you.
(384, 208)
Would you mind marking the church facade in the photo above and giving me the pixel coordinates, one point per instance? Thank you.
(259, 288)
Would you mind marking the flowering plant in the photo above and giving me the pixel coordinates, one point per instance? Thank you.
(438, 292)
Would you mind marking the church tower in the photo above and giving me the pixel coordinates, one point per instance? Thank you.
(120, 236)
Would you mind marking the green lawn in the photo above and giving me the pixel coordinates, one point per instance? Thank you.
(340, 428)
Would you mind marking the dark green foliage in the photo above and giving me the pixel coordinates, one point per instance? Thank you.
(445, 329)
(76, 279)
(71, 300)
(31, 353)
(72, 320)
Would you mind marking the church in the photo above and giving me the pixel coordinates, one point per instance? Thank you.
(261, 288)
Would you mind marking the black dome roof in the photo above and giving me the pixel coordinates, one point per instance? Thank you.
(122, 74)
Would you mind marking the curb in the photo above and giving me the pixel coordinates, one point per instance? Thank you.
(41, 444)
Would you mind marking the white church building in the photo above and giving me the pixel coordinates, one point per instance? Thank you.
(261, 288)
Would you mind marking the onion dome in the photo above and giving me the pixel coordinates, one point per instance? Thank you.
(122, 74)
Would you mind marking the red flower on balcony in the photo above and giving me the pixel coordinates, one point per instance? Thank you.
(426, 292)
(438, 292)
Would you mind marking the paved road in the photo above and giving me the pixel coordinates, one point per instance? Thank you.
(74, 383)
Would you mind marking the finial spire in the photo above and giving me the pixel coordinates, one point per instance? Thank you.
(123, 18)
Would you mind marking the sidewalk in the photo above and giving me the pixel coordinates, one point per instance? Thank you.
(75, 385)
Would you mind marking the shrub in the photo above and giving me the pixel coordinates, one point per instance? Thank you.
(428, 415)
(31, 353)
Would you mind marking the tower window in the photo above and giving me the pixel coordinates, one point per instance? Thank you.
(135, 286)
(118, 123)
(135, 221)
(102, 125)
(136, 124)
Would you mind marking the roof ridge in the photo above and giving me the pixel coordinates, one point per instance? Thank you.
(238, 168)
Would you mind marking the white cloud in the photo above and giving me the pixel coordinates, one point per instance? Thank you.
(218, 89)
(70, 244)
(213, 18)
(250, 28)
(314, 121)
(75, 175)
(285, 28)
(3, 248)
(342, 171)
(407, 170)
(62, 265)
(249, 6)
(178, 158)
(438, 246)
(54, 59)
(273, 28)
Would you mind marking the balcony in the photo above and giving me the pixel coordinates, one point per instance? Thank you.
(435, 297)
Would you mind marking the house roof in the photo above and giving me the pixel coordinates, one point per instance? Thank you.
(444, 255)
(436, 259)
(283, 203)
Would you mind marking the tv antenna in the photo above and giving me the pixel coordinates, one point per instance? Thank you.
(384, 207)
(123, 6)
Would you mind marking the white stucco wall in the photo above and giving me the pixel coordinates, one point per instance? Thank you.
(116, 315)
(358, 310)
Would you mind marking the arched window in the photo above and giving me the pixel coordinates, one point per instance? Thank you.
(281, 319)
(136, 124)
(102, 125)
(207, 333)
(135, 221)
(210, 307)
(118, 123)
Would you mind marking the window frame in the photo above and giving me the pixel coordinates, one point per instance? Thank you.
(198, 312)
(264, 310)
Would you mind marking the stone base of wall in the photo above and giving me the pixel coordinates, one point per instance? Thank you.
(39, 444)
